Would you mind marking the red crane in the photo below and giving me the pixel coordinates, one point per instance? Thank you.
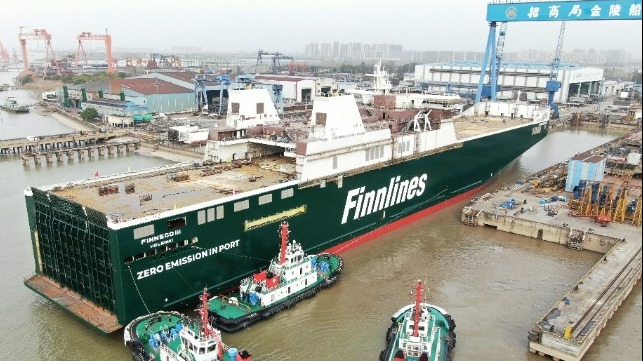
(86, 35)
(38, 34)
(4, 55)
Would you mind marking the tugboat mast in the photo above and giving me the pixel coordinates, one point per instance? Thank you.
(284, 242)
(206, 329)
(418, 299)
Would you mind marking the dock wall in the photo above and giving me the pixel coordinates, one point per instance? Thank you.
(571, 325)
(565, 235)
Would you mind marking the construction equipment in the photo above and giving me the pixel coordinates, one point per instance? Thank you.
(297, 67)
(38, 34)
(602, 220)
(491, 89)
(86, 35)
(276, 58)
(553, 85)
(163, 61)
(4, 55)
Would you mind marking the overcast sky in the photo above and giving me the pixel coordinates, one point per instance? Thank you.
(288, 25)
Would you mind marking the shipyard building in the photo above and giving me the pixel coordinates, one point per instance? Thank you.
(528, 78)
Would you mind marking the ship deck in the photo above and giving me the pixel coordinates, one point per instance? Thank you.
(138, 194)
(467, 127)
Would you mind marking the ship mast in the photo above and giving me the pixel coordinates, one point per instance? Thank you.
(206, 330)
(284, 242)
(418, 299)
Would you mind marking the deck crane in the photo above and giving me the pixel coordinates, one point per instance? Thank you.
(86, 35)
(276, 57)
(491, 90)
(553, 85)
(38, 34)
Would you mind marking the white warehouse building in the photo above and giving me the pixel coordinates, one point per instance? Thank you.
(528, 78)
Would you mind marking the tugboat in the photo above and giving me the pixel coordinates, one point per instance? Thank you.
(11, 105)
(171, 336)
(291, 277)
(420, 332)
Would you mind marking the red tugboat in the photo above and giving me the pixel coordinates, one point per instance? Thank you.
(291, 277)
(420, 332)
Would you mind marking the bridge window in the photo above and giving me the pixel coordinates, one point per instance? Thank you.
(219, 212)
(260, 108)
(200, 216)
(234, 108)
(210, 214)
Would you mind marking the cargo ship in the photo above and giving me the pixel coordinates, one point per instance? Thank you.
(291, 277)
(112, 248)
(420, 332)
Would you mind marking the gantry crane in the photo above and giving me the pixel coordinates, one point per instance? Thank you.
(491, 89)
(553, 85)
(276, 57)
(86, 35)
(38, 34)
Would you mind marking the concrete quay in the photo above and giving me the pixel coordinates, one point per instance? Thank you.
(56, 142)
(572, 324)
(80, 153)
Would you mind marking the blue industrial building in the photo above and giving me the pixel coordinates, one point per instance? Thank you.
(589, 167)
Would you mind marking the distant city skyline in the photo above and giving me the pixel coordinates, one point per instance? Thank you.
(396, 52)
(288, 25)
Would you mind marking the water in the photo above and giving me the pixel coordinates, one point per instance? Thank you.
(496, 285)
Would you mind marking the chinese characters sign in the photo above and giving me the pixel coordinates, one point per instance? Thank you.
(565, 11)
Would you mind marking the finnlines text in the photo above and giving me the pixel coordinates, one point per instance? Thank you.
(361, 202)
(185, 260)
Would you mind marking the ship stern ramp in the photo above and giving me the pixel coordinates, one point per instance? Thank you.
(83, 309)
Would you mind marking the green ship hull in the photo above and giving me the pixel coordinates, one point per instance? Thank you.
(121, 275)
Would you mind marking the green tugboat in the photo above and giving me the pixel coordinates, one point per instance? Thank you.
(171, 336)
(420, 332)
(291, 277)
(11, 105)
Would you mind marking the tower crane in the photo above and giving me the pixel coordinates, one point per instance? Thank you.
(553, 85)
(492, 88)
(86, 35)
(38, 34)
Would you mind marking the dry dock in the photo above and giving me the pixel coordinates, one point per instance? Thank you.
(572, 324)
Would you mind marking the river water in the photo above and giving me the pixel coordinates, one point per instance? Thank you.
(495, 285)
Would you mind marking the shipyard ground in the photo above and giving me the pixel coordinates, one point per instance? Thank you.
(571, 325)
